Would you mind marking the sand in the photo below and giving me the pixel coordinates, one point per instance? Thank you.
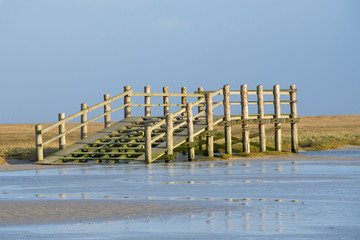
(57, 211)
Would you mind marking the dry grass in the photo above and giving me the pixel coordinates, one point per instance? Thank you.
(315, 133)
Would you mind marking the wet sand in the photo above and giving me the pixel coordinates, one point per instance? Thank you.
(292, 197)
(57, 211)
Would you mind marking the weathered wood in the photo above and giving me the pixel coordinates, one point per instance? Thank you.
(245, 115)
(148, 145)
(80, 125)
(183, 100)
(261, 112)
(107, 117)
(127, 100)
(227, 118)
(277, 113)
(190, 127)
(294, 130)
(147, 101)
(166, 101)
(170, 136)
(62, 139)
(39, 143)
(84, 128)
(167, 94)
(200, 110)
(210, 124)
(89, 109)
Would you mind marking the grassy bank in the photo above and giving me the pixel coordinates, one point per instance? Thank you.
(315, 133)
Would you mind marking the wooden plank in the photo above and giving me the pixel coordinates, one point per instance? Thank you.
(90, 140)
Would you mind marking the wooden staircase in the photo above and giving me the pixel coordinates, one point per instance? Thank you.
(148, 138)
(124, 142)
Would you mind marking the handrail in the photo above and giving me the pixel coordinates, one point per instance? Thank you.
(78, 114)
(195, 104)
(167, 94)
(84, 123)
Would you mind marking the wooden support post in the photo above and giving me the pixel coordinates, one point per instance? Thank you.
(127, 99)
(107, 118)
(166, 101)
(200, 109)
(294, 130)
(39, 142)
(62, 139)
(245, 116)
(190, 128)
(210, 125)
(277, 110)
(147, 101)
(227, 119)
(183, 99)
(170, 136)
(83, 120)
(148, 145)
(261, 112)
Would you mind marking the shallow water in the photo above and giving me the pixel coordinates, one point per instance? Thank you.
(253, 200)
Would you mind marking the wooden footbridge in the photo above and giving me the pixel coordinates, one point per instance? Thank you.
(148, 138)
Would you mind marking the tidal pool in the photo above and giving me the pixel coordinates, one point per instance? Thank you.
(297, 197)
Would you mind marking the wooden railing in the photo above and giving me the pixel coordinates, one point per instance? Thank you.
(204, 99)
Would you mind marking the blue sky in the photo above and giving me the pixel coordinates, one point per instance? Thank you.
(57, 54)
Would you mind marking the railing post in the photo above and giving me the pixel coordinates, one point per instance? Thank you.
(294, 130)
(83, 120)
(39, 143)
(148, 147)
(62, 139)
(127, 99)
(200, 109)
(245, 116)
(170, 136)
(183, 100)
(277, 110)
(260, 103)
(190, 128)
(227, 119)
(147, 101)
(210, 125)
(166, 101)
(107, 118)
